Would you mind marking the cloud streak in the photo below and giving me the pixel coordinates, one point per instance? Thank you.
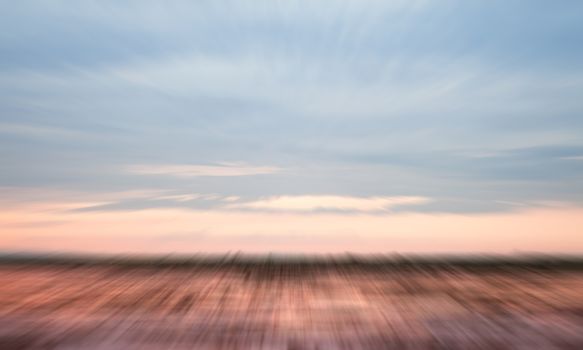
(224, 169)
(338, 203)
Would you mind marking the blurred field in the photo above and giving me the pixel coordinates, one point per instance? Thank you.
(235, 303)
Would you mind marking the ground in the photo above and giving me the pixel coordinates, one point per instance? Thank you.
(289, 306)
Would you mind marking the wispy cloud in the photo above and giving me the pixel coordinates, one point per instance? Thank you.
(342, 203)
(222, 169)
(180, 197)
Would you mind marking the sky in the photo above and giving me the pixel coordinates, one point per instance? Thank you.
(291, 126)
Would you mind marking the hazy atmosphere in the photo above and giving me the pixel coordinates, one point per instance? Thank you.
(291, 126)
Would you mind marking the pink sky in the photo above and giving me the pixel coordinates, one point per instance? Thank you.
(53, 227)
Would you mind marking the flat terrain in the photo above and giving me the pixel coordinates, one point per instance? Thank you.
(289, 306)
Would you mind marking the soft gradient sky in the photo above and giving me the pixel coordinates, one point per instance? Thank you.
(263, 125)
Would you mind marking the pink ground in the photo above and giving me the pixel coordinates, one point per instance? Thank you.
(99, 307)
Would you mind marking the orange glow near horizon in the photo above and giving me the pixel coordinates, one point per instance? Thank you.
(50, 227)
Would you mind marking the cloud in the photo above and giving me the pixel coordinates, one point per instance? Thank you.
(224, 169)
(341, 203)
(180, 197)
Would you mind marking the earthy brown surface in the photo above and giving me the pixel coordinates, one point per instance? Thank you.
(101, 307)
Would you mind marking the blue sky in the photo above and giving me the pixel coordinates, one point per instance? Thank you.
(346, 107)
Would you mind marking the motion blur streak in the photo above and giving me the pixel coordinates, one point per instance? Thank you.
(234, 302)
